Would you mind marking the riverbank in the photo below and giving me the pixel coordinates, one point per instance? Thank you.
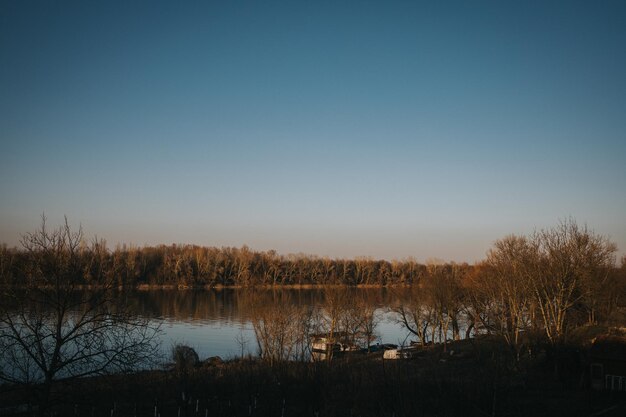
(151, 287)
(474, 378)
(170, 287)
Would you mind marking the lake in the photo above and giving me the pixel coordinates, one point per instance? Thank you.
(219, 322)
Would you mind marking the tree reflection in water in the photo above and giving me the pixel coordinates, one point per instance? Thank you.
(212, 321)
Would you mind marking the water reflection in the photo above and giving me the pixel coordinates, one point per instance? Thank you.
(220, 322)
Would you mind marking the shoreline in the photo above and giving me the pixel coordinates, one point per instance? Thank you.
(219, 287)
(151, 287)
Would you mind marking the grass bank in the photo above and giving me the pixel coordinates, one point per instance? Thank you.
(477, 379)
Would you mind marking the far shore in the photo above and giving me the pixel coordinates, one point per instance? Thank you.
(182, 287)
(150, 287)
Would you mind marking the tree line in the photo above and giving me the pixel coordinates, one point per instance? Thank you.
(192, 265)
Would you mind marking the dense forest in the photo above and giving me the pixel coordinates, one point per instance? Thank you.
(191, 265)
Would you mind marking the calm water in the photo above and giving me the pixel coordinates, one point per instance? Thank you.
(219, 322)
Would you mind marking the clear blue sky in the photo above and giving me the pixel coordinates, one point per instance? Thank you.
(384, 129)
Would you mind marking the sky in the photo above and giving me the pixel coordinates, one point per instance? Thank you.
(385, 129)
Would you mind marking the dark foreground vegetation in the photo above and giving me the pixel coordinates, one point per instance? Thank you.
(478, 379)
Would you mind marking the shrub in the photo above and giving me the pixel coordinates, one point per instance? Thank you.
(185, 358)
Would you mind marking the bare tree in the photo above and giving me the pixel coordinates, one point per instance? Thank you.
(415, 313)
(7, 261)
(281, 329)
(335, 304)
(357, 320)
(51, 330)
(570, 261)
(442, 285)
(368, 322)
(502, 290)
